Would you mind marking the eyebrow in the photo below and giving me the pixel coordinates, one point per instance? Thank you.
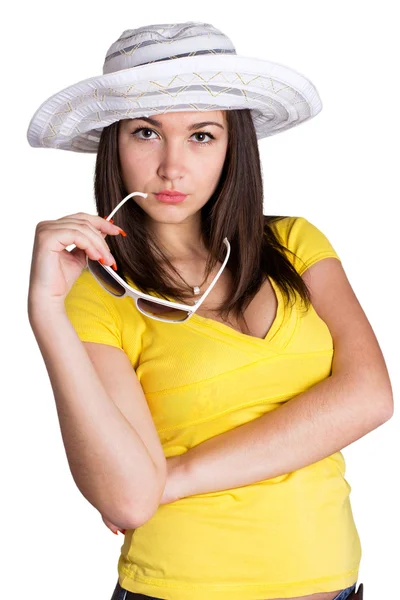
(190, 128)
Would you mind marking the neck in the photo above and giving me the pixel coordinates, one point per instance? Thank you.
(180, 242)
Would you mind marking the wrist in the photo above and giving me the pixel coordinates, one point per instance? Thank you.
(181, 475)
(43, 312)
(194, 478)
(176, 486)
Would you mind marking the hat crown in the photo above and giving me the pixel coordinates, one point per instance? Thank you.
(142, 78)
(166, 41)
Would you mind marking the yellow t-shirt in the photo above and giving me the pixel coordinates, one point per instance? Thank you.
(291, 535)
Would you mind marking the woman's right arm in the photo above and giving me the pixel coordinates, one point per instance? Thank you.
(109, 462)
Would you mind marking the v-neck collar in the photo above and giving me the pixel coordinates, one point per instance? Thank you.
(271, 337)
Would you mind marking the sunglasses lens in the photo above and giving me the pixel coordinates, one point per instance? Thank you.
(106, 280)
(152, 309)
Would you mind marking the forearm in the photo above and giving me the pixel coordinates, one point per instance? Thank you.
(108, 460)
(309, 427)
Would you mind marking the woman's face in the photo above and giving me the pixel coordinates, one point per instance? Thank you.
(172, 151)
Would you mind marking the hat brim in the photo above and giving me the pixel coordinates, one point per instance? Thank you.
(278, 97)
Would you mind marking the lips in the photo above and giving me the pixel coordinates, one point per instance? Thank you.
(171, 193)
(170, 199)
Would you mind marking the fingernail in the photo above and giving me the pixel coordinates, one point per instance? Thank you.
(102, 261)
(122, 531)
(116, 532)
(111, 221)
(122, 231)
(114, 266)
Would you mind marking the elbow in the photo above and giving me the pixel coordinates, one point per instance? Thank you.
(375, 394)
(385, 393)
(139, 516)
(388, 410)
(147, 503)
(384, 409)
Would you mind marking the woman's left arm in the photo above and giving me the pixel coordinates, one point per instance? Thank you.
(355, 399)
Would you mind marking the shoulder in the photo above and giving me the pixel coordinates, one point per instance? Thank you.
(87, 289)
(89, 306)
(97, 316)
(292, 229)
(305, 242)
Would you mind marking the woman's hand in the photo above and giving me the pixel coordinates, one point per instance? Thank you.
(113, 527)
(54, 269)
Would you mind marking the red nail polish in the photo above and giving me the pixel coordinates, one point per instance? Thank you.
(114, 266)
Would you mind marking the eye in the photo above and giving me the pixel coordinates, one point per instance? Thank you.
(142, 129)
(205, 133)
(146, 129)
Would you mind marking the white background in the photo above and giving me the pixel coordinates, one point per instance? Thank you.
(339, 170)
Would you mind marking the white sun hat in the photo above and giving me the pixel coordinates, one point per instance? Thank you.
(163, 68)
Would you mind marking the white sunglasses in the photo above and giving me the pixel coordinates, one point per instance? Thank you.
(156, 308)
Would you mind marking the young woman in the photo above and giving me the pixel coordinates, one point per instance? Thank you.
(210, 362)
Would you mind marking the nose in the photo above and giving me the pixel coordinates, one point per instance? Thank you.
(172, 164)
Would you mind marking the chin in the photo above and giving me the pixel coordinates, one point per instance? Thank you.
(171, 220)
(170, 214)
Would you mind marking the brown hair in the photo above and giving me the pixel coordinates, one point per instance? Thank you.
(235, 211)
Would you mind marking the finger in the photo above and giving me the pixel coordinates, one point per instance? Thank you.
(57, 237)
(85, 227)
(75, 223)
(100, 225)
(112, 527)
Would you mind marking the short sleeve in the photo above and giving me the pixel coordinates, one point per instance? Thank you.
(93, 317)
(305, 240)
